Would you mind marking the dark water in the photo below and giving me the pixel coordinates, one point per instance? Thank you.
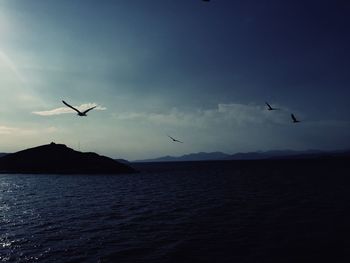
(178, 213)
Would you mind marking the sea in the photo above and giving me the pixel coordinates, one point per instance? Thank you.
(180, 212)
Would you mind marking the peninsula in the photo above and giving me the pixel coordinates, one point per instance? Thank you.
(60, 159)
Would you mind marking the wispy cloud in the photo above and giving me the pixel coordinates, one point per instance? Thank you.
(4, 130)
(240, 127)
(233, 113)
(226, 115)
(64, 110)
(7, 130)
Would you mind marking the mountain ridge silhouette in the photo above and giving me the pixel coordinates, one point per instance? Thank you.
(60, 159)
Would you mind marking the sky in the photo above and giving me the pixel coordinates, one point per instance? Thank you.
(198, 71)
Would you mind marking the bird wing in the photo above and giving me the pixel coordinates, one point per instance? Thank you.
(65, 103)
(268, 105)
(175, 140)
(86, 111)
(293, 117)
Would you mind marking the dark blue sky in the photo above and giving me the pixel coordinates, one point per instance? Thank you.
(200, 71)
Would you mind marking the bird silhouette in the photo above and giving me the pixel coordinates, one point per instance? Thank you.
(294, 119)
(78, 111)
(174, 140)
(269, 107)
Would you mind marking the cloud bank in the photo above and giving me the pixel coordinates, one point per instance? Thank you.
(64, 110)
(7, 130)
(229, 114)
(4, 130)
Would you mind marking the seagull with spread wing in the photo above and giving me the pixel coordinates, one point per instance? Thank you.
(269, 107)
(78, 111)
(174, 140)
(294, 119)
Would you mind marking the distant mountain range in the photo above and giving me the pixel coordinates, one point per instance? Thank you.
(277, 154)
(201, 156)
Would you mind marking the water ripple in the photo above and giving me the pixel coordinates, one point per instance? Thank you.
(199, 215)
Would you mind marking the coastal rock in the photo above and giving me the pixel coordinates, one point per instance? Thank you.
(60, 159)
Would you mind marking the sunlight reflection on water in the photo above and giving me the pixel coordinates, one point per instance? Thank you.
(180, 216)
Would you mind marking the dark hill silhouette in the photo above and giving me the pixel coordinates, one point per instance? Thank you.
(59, 159)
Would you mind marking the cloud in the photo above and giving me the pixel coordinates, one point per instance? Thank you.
(64, 110)
(7, 130)
(244, 118)
(234, 127)
(26, 131)
(229, 127)
(228, 114)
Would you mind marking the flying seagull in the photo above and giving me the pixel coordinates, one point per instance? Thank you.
(174, 140)
(294, 119)
(78, 111)
(269, 107)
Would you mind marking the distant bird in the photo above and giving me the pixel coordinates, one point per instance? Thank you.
(78, 111)
(269, 107)
(174, 140)
(294, 119)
